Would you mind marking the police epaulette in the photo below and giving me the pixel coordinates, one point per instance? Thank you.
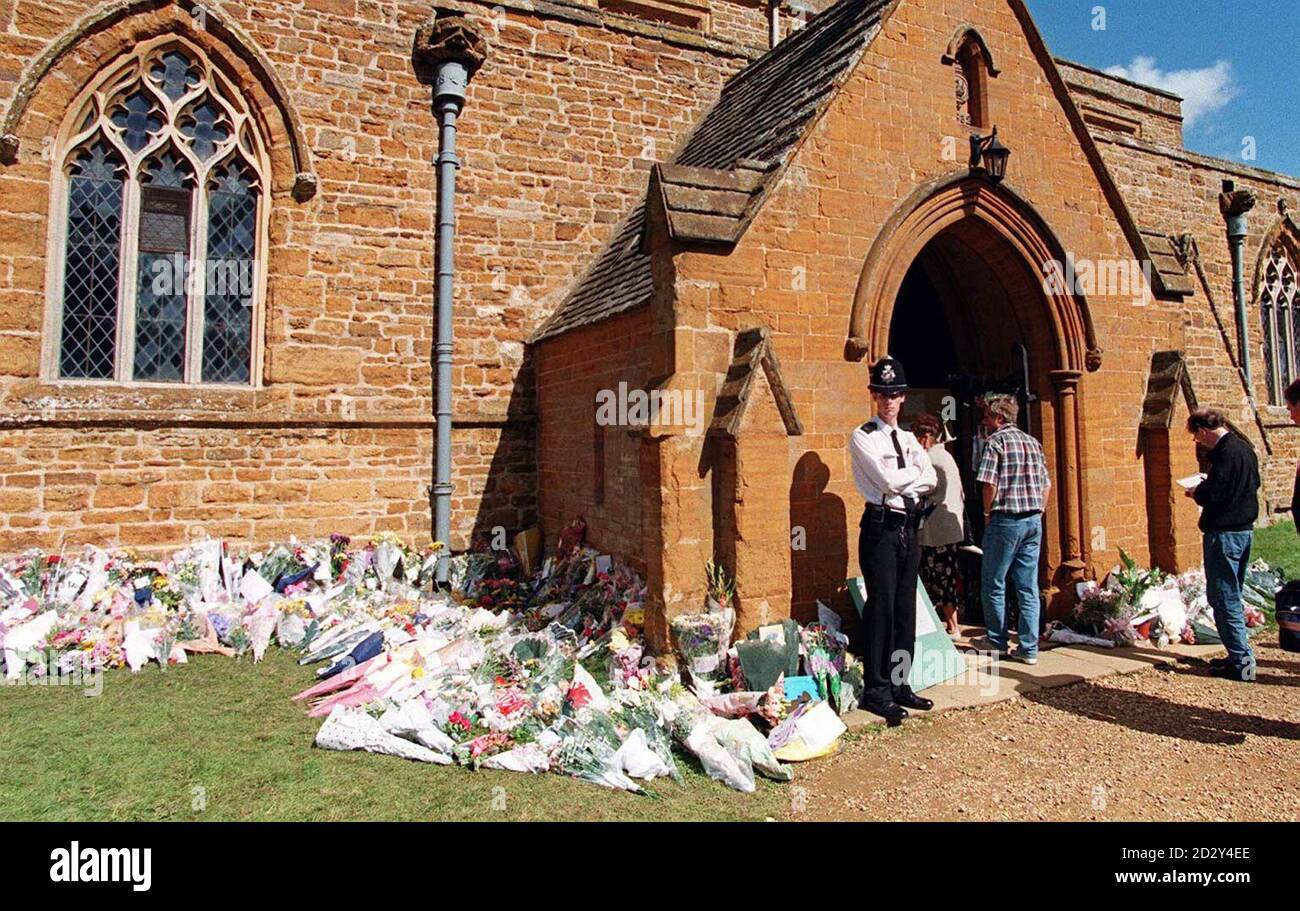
(869, 427)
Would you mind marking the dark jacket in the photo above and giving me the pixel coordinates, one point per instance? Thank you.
(1295, 499)
(1228, 495)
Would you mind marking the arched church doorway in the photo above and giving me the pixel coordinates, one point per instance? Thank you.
(954, 287)
(967, 321)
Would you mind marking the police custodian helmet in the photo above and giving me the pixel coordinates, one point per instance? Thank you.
(887, 376)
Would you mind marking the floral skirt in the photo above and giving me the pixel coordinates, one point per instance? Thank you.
(941, 575)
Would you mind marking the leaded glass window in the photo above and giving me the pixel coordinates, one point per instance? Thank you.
(164, 213)
(232, 234)
(91, 263)
(1279, 311)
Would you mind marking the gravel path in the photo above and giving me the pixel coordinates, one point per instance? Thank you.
(1162, 744)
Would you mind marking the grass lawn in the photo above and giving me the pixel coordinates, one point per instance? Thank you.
(158, 745)
(1280, 546)
(224, 730)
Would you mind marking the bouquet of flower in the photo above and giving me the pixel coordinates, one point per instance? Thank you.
(474, 752)
(702, 641)
(1097, 606)
(721, 587)
(586, 751)
(280, 562)
(1132, 580)
(824, 659)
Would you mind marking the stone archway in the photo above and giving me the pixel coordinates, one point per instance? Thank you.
(976, 226)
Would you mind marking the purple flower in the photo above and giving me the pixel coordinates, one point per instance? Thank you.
(221, 624)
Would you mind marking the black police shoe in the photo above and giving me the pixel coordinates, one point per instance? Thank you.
(892, 712)
(908, 699)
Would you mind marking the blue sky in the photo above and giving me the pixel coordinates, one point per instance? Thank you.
(1236, 62)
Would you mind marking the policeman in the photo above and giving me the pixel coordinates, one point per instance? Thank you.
(893, 474)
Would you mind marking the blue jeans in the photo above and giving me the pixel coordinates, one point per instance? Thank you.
(1011, 545)
(1227, 555)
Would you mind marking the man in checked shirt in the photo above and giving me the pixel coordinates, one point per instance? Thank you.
(1013, 477)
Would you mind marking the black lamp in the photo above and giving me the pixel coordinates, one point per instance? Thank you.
(990, 155)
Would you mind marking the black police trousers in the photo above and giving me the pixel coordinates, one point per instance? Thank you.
(890, 559)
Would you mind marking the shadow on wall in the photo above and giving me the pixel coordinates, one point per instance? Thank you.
(818, 522)
(509, 496)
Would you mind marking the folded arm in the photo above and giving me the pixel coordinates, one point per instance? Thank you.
(883, 471)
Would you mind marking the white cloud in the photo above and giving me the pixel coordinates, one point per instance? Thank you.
(1203, 91)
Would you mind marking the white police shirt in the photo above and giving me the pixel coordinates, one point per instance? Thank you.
(881, 475)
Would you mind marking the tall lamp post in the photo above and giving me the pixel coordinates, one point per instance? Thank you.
(448, 51)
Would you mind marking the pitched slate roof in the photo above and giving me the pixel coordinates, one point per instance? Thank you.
(714, 184)
(708, 205)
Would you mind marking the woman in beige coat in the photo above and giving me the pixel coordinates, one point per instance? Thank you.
(944, 529)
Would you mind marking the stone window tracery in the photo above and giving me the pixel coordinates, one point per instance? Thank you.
(1279, 310)
(159, 236)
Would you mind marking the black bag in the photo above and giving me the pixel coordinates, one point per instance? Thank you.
(1288, 616)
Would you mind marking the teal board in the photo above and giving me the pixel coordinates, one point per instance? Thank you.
(936, 658)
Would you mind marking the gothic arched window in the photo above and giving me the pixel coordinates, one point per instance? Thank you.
(972, 87)
(160, 225)
(972, 67)
(1279, 311)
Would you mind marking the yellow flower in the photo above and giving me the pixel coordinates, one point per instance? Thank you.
(417, 672)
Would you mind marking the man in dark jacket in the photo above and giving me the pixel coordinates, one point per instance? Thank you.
(1229, 506)
(1293, 408)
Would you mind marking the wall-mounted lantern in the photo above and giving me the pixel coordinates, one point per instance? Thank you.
(989, 155)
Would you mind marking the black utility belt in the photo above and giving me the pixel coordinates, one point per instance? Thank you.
(890, 518)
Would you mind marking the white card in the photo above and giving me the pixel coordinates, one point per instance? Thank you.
(254, 588)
